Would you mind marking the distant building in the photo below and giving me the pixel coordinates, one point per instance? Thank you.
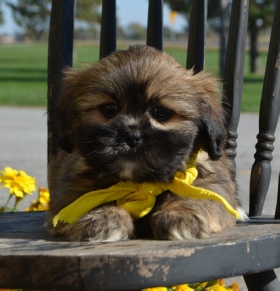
(7, 39)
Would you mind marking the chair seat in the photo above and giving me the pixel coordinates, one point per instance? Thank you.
(41, 261)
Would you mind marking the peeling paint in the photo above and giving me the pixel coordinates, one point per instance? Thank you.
(229, 243)
(180, 252)
(165, 270)
(145, 270)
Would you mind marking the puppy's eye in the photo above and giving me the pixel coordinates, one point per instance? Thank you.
(109, 110)
(161, 114)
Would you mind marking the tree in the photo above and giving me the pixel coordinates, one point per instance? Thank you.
(32, 16)
(181, 6)
(135, 31)
(88, 11)
(217, 12)
(260, 16)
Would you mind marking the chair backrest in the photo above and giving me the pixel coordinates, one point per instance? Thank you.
(268, 119)
(60, 56)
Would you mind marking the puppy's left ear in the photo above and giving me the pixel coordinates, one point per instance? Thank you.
(212, 130)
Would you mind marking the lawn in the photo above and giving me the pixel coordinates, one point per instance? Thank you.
(23, 73)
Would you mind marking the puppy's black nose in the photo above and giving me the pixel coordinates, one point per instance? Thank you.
(133, 138)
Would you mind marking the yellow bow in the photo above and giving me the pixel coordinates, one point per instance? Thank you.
(139, 199)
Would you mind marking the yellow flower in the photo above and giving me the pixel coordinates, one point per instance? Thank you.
(219, 286)
(156, 289)
(221, 282)
(18, 182)
(42, 202)
(182, 287)
(44, 196)
(215, 285)
(235, 286)
(201, 285)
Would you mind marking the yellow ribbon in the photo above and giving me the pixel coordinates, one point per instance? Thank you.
(139, 199)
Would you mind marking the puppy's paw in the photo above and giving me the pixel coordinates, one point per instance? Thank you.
(179, 223)
(107, 223)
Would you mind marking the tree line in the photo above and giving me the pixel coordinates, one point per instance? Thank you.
(33, 17)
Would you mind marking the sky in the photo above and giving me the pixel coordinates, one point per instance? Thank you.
(127, 11)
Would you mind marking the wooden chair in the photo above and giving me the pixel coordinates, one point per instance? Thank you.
(30, 258)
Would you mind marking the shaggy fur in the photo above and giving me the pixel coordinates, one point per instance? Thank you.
(138, 115)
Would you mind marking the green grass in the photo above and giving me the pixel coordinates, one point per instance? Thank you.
(23, 73)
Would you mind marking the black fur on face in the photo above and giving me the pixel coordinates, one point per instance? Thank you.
(138, 115)
(137, 152)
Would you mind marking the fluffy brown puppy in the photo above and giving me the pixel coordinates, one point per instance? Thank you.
(137, 115)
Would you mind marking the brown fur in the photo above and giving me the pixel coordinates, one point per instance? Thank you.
(159, 114)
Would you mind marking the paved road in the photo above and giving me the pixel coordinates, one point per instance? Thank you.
(23, 145)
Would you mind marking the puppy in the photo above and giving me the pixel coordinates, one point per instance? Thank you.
(138, 116)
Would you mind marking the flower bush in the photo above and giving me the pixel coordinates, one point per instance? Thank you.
(20, 184)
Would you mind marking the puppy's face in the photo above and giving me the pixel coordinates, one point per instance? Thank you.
(138, 115)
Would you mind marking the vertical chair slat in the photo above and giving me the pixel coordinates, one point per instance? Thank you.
(108, 33)
(59, 56)
(269, 113)
(197, 34)
(234, 71)
(155, 24)
(277, 210)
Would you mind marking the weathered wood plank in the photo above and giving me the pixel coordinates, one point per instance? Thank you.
(31, 258)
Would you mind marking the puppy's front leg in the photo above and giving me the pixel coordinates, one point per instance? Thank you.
(182, 218)
(105, 223)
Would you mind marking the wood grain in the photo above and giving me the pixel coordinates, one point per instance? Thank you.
(31, 258)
